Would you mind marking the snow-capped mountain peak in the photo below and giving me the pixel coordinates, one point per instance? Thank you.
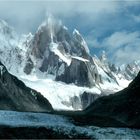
(75, 31)
(59, 64)
(103, 57)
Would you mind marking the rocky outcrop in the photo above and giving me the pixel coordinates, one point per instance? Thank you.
(82, 101)
(88, 98)
(14, 95)
(79, 73)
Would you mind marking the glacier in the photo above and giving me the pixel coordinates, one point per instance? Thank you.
(64, 125)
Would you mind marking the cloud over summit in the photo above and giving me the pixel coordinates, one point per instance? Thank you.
(110, 25)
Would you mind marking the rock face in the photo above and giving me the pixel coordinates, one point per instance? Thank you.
(79, 73)
(88, 98)
(14, 95)
(84, 100)
(118, 110)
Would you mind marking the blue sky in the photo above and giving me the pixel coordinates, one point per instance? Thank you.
(110, 25)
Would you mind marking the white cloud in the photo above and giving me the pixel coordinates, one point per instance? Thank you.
(123, 47)
(119, 39)
(93, 43)
(136, 18)
(25, 15)
(126, 55)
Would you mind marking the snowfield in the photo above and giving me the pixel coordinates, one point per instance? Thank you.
(64, 57)
(60, 123)
(56, 92)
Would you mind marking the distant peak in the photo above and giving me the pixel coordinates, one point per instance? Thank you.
(103, 55)
(75, 31)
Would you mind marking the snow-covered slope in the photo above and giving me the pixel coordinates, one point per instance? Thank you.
(58, 93)
(108, 81)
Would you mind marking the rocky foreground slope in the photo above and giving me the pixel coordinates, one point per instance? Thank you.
(117, 110)
(14, 95)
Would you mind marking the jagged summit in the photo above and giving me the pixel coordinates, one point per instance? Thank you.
(53, 48)
(48, 30)
(103, 57)
(52, 26)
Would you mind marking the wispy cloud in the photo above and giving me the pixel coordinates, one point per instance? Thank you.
(25, 15)
(123, 46)
(126, 55)
(120, 39)
(136, 18)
